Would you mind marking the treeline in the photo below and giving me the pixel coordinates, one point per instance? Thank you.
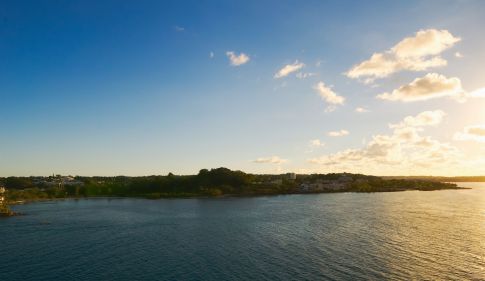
(441, 179)
(382, 185)
(207, 182)
(17, 182)
(214, 182)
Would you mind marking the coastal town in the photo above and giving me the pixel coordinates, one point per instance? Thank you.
(207, 183)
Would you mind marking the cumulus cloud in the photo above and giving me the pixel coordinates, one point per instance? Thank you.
(432, 86)
(424, 43)
(270, 160)
(471, 133)
(403, 148)
(361, 110)
(340, 133)
(329, 96)
(288, 69)
(417, 53)
(237, 60)
(426, 118)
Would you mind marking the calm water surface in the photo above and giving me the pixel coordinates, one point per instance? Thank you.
(437, 235)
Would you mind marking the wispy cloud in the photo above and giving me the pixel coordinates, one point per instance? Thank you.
(471, 133)
(288, 69)
(179, 28)
(361, 110)
(270, 160)
(211, 55)
(340, 133)
(478, 93)
(317, 143)
(417, 53)
(237, 60)
(329, 96)
(304, 75)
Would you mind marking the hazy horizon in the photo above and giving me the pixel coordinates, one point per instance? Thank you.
(147, 88)
(195, 173)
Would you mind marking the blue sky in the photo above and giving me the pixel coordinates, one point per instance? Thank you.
(147, 87)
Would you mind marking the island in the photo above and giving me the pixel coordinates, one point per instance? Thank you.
(217, 182)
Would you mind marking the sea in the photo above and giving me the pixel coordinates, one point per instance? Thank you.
(411, 235)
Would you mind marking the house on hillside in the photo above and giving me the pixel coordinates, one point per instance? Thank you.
(71, 181)
(325, 185)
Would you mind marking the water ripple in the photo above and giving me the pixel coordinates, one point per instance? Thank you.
(381, 236)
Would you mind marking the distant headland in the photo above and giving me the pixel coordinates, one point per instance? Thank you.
(4, 209)
(207, 183)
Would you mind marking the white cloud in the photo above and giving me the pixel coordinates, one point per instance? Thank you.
(340, 133)
(179, 28)
(211, 55)
(270, 160)
(361, 110)
(425, 43)
(478, 93)
(471, 133)
(328, 95)
(316, 143)
(458, 55)
(403, 149)
(330, 108)
(431, 86)
(417, 53)
(303, 75)
(237, 60)
(426, 118)
(288, 69)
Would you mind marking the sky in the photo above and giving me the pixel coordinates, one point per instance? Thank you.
(152, 87)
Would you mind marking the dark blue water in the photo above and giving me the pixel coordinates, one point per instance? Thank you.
(436, 235)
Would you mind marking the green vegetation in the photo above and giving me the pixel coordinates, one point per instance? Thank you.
(207, 183)
(380, 185)
(443, 179)
(5, 211)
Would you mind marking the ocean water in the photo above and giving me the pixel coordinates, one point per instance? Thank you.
(438, 235)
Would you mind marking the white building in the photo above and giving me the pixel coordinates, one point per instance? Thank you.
(2, 191)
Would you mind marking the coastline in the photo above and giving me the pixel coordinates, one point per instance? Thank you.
(148, 197)
(214, 183)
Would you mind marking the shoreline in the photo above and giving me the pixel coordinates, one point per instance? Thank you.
(22, 202)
